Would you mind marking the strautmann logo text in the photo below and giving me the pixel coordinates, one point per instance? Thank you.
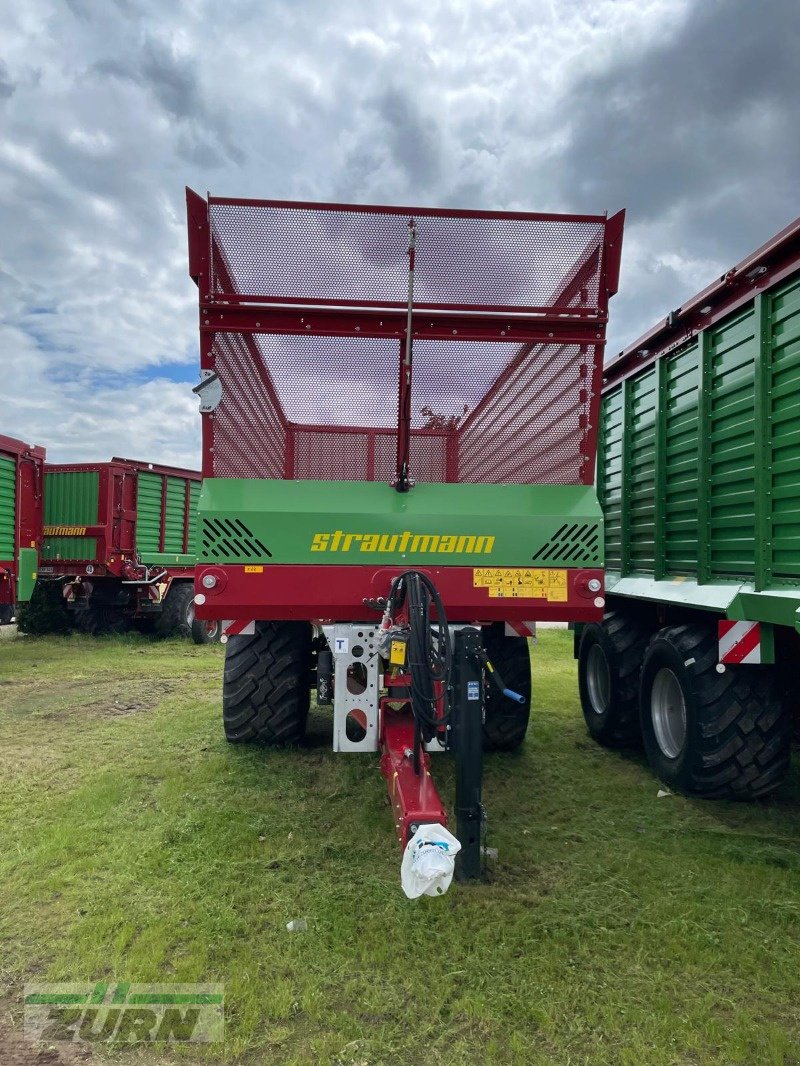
(403, 543)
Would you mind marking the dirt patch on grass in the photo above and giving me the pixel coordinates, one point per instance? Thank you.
(15, 1050)
(129, 698)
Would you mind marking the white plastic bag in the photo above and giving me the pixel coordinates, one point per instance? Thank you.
(428, 861)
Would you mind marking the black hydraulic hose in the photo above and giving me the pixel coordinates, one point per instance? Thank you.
(430, 650)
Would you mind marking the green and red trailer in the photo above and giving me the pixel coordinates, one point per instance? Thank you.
(21, 489)
(399, 413)
(699, 480)
(119, 537)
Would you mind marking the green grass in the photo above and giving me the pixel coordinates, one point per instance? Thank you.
(618, 928)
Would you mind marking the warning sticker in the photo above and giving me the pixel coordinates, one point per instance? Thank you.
(254, 569)
(519, 583)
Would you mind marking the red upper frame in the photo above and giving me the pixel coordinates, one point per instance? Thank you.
(232, 252)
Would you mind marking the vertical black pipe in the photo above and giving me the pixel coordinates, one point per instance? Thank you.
(467, 723)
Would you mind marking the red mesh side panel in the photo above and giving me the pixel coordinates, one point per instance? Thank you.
(480, 412)
(333, 381)
(249, 430)
(531, 428)
(329, 255)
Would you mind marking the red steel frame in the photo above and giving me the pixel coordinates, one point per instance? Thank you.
(29, 462)
(246, 314)
(281, 593)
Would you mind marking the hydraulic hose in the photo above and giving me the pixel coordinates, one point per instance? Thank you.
(430, 650)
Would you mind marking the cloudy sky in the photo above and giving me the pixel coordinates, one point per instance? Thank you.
(683, 111)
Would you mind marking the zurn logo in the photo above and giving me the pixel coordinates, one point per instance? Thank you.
(124, 1013)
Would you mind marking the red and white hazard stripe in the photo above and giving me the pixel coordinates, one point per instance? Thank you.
(238, 627)
(520, 629)
(739, 642)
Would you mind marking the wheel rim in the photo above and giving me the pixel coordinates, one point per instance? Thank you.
(668, 709)
(598, 679)
(211, 628)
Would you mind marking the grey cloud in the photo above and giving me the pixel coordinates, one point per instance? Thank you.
(205, 136)
(7, 86)
(414, 139)
(705, 109)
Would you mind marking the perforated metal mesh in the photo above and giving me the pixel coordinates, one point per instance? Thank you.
(326, 407)
(360, 256)
(302, 405)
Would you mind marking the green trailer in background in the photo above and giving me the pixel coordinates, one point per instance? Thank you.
(20, 522)
(119, 537)
(699, 481)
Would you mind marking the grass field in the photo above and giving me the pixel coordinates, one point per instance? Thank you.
(617, 928)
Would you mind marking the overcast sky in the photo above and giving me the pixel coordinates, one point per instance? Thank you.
(686, 113)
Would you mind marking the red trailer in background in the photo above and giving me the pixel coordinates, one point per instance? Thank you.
(21, 467)
(120, 536)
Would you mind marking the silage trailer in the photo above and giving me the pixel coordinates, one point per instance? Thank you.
(21, 480)
(119, 537)
(399, 412)
(699, 479)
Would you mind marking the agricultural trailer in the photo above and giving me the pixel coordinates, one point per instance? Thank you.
(699, 480)
(21, 476)
(399, 411)
(120, 538)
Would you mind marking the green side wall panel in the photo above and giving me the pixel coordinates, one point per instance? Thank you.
(148, 512)
(70, 499)
(194, 499)
(173, 523)
(699, 467)
(8, 497)
(26, 573)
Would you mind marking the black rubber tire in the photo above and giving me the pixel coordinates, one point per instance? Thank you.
(620, 640)
(177, 613)
(506, 722)
(738, 728)
(266, 690)
(99, 620)
(205, 631)
(6, 614)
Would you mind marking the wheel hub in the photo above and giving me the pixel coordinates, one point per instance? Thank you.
(668, 709)
(598, 679)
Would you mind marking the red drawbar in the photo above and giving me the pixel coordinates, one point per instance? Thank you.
(415, 800)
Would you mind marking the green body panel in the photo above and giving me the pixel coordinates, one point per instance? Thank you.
(26, 573)
(148, 520)
(241, 520)
(194, 500)
(148, 513)
(174, 517)
(8, 498)
(70, 499)
(699, 468)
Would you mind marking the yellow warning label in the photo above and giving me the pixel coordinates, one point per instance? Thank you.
(254, 569)
(520, 583)
(397, 652)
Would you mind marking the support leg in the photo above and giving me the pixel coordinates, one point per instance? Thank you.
(467, 725)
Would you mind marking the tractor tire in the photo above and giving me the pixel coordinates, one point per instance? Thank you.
(716, 735)
(177, 613)
(609, 663)
(266, 690)
(6, 614)
(206, 630)
(505, 722)
(99, 620)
